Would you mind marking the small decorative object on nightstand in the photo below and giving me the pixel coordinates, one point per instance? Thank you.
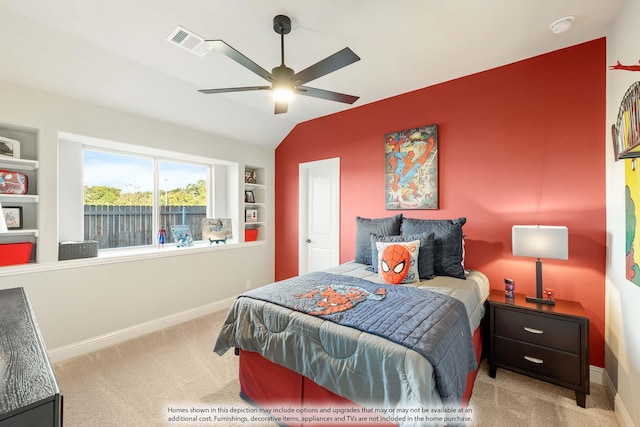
(509, 288)
(547, 342)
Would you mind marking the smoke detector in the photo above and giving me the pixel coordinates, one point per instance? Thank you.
(562, 24)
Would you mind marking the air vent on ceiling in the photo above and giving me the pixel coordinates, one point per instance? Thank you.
(189, 40)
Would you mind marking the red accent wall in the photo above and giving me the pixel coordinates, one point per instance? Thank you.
(519, 144)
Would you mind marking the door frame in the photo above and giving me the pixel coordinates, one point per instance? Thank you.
(303, 214)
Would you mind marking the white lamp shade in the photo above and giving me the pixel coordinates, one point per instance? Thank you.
(539, 241)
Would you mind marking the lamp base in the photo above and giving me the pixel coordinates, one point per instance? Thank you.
(541, 301)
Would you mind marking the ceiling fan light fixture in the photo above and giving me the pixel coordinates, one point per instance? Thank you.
(561, 25)
(283, 93)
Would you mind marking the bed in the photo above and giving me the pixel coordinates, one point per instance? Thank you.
(394, 351)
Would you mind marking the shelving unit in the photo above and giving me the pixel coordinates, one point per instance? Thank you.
(255, 212)
(28, 165)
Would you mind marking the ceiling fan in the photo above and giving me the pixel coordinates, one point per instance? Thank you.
(283, 81)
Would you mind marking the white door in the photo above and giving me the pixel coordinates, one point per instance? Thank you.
(319, 215)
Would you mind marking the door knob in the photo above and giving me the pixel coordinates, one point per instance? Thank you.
(308, 240)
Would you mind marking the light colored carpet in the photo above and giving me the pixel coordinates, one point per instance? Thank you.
(135, 382)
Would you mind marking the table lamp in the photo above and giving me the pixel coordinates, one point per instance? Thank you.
(540, 241)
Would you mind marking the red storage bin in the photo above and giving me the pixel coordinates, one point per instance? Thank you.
(15, 253)
(251, 235)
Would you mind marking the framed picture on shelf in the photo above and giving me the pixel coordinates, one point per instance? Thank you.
(13, 217)
(250, 176)
(248, 197)
(251, 215)
(9, 147)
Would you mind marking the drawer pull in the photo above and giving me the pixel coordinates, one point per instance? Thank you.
(534, 360)
(533, 331)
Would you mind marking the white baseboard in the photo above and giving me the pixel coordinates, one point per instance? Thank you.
(621, 413)
(609, 387)
(595, 374)
(620, 410)
(92, 344)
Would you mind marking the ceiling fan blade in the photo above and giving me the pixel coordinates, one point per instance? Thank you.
(222, 47)
(281, 107)
(234, 89)
(328, 65)
(326, 94)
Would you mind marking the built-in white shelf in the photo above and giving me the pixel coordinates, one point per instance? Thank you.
(23, 232)
(18, 198)
(20, 164)
(28, 203)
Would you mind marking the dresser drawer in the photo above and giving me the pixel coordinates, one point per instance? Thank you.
(540, 361)
(553, 332)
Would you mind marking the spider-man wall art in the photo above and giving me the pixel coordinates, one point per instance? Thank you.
(411, 168)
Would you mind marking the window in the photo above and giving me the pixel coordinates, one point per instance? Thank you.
(126, 205)
(122, 195)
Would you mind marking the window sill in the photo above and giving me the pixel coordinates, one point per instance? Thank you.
(111, 256)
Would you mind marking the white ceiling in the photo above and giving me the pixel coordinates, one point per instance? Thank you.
(115, 53)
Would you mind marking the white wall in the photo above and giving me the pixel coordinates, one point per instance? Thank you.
(81, 303)
(622, 335)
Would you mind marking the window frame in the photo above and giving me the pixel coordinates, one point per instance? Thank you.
(155, 192)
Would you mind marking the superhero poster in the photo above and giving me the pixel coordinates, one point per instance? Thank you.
(632, 204)
(411, 168)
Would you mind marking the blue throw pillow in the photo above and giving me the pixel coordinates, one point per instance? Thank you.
(447, 245)
(389, 226)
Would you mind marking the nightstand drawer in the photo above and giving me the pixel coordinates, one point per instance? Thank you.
(540, 361)
(538, 329)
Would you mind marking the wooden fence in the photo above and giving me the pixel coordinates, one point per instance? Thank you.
(122, 226)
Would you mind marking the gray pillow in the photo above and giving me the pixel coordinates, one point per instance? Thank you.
(389, 226)
(425, 255)
(447, 245)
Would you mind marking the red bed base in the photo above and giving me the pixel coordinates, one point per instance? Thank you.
(269, 385)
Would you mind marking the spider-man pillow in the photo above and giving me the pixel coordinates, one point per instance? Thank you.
(398, 262)
(425, 257)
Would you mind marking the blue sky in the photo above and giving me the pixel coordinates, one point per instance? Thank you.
(132, 174)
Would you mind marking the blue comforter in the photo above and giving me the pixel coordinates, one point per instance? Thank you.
(434, 325)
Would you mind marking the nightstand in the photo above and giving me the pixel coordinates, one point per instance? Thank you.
(550, 343)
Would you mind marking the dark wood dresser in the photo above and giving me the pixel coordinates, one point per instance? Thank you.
(29, 394)
(547, 342)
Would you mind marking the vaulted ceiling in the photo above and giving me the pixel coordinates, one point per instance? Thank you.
(115, 53)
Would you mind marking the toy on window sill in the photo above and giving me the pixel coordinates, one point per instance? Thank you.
(548, 293)
(162, 234)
